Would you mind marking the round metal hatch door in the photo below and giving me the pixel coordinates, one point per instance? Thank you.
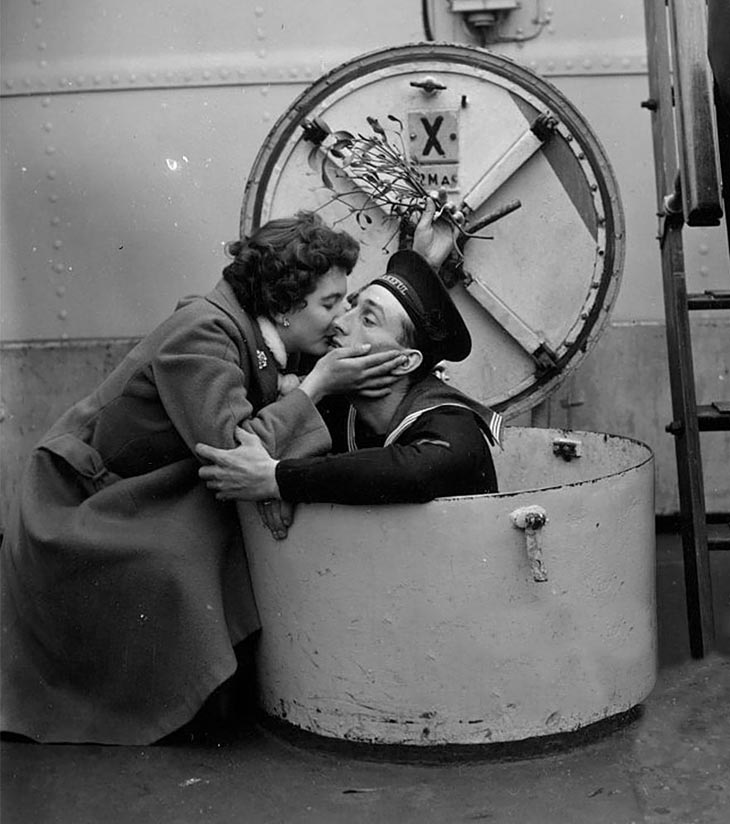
(496, 139)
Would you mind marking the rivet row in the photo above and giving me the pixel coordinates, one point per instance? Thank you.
(583, 65)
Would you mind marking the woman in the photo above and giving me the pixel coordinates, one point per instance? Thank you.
(125, 586)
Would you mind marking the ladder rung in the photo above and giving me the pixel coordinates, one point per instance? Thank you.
(718, 536)
(709, 299)
(714, 417)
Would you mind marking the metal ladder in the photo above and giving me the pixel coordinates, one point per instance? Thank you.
(688, 193)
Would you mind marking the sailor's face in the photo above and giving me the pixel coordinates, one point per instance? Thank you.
(375, 317)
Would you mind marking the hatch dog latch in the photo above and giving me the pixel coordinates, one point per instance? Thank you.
(531, 519)
(567, 448)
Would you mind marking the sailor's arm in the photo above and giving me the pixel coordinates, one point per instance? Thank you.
(444, 453)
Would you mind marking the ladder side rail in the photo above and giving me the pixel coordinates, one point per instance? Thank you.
(718, 51)
(701, 198)
(660, 101)
(687, 447)
(681, 370)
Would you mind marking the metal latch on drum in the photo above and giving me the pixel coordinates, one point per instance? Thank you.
(532, 519)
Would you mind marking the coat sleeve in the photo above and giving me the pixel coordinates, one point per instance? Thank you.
(200, 371)
(444, 453)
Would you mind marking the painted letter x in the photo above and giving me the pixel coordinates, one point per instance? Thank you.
(432, 142)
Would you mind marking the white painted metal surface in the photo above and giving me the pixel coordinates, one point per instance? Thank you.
(423, 624)
(128, 133)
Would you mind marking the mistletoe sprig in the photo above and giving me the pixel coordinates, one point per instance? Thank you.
(378, 167)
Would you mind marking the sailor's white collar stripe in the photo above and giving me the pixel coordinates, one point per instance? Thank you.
(351, 414)
(495, 424)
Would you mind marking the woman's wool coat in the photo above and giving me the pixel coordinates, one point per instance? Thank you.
(125, 585)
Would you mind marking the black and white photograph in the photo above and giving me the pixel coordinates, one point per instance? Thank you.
(365, 412)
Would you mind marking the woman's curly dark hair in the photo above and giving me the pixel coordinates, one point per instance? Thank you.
(274, 270)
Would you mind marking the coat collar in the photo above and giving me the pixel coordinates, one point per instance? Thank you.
(223, 297)
(273, 340)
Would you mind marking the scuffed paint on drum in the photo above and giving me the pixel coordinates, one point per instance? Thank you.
(422, 624)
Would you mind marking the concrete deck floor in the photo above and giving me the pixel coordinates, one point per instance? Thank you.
(672, 764)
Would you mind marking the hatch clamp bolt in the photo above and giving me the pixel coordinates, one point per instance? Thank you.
(315, 131)
(543, 127)
(429, 85)
(531, 519)
(545, 359)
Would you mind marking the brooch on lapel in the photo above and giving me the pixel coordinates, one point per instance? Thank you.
(262, 359)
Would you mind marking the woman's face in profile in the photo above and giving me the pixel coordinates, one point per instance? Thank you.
(311, 327)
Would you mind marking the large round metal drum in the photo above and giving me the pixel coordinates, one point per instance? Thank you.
(424, 624)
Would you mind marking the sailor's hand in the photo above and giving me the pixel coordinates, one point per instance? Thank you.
(246, 473)
(277, 516)
(434, 237)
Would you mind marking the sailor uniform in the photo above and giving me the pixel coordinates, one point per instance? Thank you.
(437, 444)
